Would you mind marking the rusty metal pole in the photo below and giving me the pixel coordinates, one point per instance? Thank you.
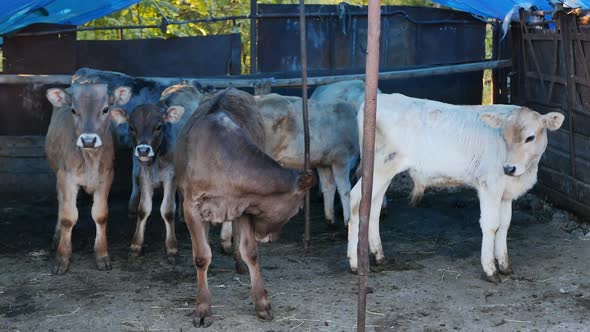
(368, 153)
(253, 36)
(302, 39)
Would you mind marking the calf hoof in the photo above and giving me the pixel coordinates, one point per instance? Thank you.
(61, 266)
(135, 251)
(264, 312)
(494, 278)
(202, 318)
(353, 270)
(331, 224)
(241, 267)
(379, 260)
(104, 263)
(171, 258)
(226, 249)
(506, 271)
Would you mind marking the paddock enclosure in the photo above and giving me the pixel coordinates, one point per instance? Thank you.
(431, 278)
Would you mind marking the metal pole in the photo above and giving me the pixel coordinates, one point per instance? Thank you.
(368, 153)
(302, 39)
(253, 36)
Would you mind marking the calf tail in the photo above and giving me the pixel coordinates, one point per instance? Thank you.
(417, 192)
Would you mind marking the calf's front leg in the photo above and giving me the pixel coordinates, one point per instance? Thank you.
(100, 213)
(145, 208)
(67, 193)
(501, 247)
(199, 230)
(167, 210)
(489, 222)
(249, 254)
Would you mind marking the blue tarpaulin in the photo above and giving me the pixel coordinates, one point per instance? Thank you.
(499, 8)
(16, 14)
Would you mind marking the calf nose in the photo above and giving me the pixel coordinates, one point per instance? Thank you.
(89, 141)
(509, 170)
(144, 150)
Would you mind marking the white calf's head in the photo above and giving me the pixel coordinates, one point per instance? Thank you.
(525, 134)
(90, 105)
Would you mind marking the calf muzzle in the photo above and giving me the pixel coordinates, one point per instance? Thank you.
(144, 152)
(89, 141)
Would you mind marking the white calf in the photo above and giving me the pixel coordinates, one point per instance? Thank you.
(494, 149)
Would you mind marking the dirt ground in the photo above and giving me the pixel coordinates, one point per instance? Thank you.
(430, 282)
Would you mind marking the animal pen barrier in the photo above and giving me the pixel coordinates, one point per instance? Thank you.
(551, 73)
(372, 49)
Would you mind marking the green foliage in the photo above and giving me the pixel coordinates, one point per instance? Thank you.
(151, 12)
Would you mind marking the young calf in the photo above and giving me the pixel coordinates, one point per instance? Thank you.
(80, 150)
(494, 149)
(225, 176)
(154, 139)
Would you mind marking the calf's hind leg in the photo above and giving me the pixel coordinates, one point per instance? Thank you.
(198, 229)
(328, 188)
(250, 256)
(341, 177)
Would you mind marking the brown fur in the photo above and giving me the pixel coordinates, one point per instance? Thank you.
(225, 176)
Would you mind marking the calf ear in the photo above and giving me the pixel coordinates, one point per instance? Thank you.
(493, 119)
(306, 181)
(173, 113)
(553, 120)
(58, 97)
(119, 116)
(121, 95)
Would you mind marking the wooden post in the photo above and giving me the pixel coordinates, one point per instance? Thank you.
(368, 153)
(302, 39)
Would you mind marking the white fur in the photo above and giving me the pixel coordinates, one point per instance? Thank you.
(442, 144)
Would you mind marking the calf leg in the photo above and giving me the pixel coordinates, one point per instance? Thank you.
(489, 222)
(241, 267)
(67, 193)
(225, 237)
(328, 188)
(385, 170)
(201, 258)
(134, 199)
(100, 213)
(500, 246)
(250, 255)
(341, 177)
(167, 210)
(145, 208)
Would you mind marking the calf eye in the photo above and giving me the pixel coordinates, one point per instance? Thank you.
(529, 139)
(74, 112)
(131, 128)
(158, 127)
(105, 110)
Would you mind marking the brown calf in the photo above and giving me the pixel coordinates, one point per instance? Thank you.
(80, 150)
(154, 138)
(226, 177)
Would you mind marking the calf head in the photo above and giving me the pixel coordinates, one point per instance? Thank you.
(525, 134)
(145, 126)
(90, 105)
(279, 209)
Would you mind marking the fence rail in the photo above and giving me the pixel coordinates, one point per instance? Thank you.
(283, 82)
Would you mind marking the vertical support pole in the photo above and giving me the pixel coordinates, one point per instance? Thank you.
(368, 153)
(253, 36)
(302, 39)
(566, 25)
